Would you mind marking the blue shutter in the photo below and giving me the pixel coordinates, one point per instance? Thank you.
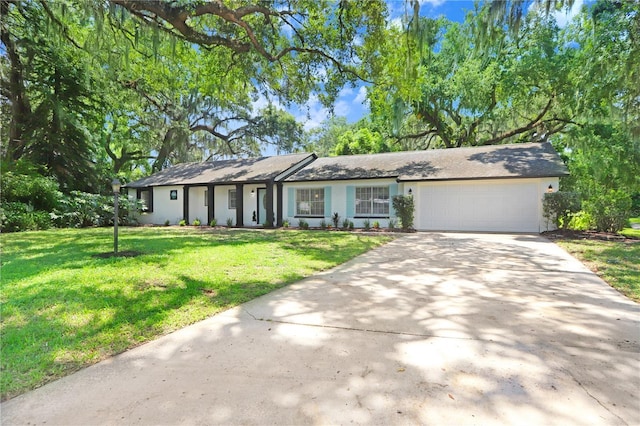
(351, 201)
(393, 191)
(290, 202)
(327, 201)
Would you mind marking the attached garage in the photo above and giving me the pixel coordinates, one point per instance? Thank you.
(496, 188)
(512, 205)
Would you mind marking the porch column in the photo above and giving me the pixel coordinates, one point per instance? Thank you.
(269, 205)
(185, 203)
(279, 204)
(211, 199)
(239, 202)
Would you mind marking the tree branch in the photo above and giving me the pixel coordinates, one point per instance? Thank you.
(529, 126)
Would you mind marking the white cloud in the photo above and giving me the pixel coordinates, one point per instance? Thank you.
(312, 114)
(341, 108)
(345, 91)
(433, 3)
(563, 17)
(263, 102)
(396, 23)
(362, 95)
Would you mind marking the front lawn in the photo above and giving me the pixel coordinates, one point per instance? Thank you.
(63, 308)
(617, 262)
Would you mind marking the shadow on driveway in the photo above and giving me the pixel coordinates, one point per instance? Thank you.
(431, 328)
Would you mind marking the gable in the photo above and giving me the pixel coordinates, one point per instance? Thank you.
(244, 170)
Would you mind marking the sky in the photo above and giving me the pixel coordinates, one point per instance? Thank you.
(351, 102)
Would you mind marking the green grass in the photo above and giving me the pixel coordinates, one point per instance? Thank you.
(630, 232)
(615, 261)
(64, 309)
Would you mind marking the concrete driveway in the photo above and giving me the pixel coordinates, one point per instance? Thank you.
(429, 329)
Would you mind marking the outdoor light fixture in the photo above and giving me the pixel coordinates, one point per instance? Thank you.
(410, 191)
(115, 185)
(253, 193)
(550, 188)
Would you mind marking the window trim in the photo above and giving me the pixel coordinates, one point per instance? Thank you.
(371, 214)
(309, 215)
(235, 199)
(149, 205)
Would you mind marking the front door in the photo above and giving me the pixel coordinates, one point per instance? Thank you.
(262, 206)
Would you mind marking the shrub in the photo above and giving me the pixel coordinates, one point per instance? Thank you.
(345, 224)
(229, 222)
(335, 219)
(182, 222)
(81, 209)
(351, 226)
(366, 224)
(557, 207)
(404, 207)
(196, 222)
(213, 223)
(15, 217)
(323, 224)
(581, 221)
(37, 191)
(376, 225)
(167, 222)
(610, 210)
(392, 223)
(303, 224)
(285, 224)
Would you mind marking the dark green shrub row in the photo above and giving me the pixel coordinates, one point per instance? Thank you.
(32, 202)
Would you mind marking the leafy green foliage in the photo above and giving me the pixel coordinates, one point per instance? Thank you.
(362, 141)
(405, 209)
(581, 221)
(81, 210)
(16, 217)
(609, 210)
(558, 207)
(40, 192)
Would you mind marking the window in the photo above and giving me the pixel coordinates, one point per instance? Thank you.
(310, 202)
(146, 197)
(173, 194)
(372, 201)
(232, 198)
(206, 197)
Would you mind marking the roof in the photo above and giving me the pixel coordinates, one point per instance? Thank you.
(524, 160)
(243, 170)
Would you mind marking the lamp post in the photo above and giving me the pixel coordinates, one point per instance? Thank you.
(115, 185)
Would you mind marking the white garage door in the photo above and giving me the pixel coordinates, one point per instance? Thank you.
(479, 206)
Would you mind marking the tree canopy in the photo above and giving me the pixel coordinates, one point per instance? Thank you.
(91, 89)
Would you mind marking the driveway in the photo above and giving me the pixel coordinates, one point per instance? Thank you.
(429, 329)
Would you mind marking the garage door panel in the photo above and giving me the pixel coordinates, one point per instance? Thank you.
(507, 207)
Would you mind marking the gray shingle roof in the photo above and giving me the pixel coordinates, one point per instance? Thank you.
(244, 170)
(486, 162)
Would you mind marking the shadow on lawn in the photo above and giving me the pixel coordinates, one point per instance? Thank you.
(77, 323)
(462, 331)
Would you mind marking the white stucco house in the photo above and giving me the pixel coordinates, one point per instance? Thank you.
(495, 188)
